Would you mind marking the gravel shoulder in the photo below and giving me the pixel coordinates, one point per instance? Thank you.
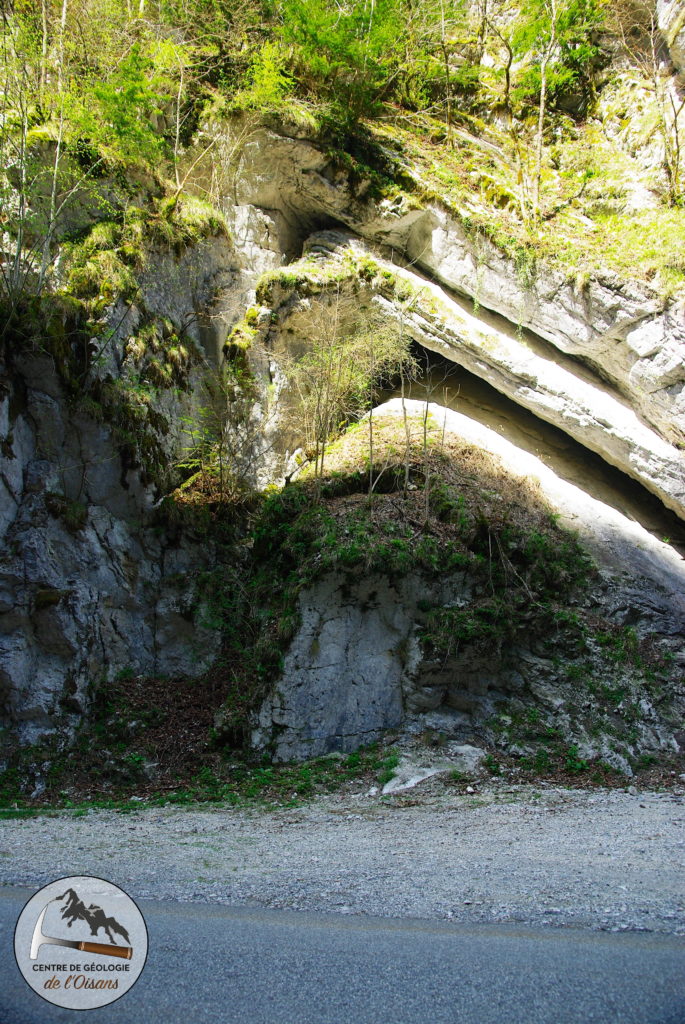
(610, 860)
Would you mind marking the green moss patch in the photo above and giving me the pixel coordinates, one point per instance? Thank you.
(102, 266)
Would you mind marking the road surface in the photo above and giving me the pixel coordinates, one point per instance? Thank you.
(212, 964)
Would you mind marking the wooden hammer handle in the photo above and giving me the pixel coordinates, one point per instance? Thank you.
(125, 952)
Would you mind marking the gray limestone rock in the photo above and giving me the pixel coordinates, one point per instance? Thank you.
(344, 673)
(617, 327)
(671, 15)
(534, 376)
(355, 667)
(89, 587)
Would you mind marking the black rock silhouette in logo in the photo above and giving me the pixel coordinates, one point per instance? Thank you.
(76, 910)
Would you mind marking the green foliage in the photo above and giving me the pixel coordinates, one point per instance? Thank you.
(388, 766)
(303, 540)
(564, 35)
(102, 267)
(487, 625)
(243, 333)
(184, 220)
(621, 645)
(346, 53)
(647, 243)
(448, 507)
(573, 762)
(269, 83)
(123, 95)
(235, 783)
(310, 277)
(214, 462)
(555, 756)
(102, 275)
(526, 575)
(73, 514)
(121, 119)
(349, 351)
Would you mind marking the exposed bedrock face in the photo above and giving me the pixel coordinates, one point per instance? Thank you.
(86, 590)
(671, 15)
(616, 327)
(355, 670)
(342, 683)
(203, 291)
(356, 666)
(90, 586)
(531, 373)
(286, 187)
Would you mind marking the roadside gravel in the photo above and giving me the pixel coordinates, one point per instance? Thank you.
(610, 860)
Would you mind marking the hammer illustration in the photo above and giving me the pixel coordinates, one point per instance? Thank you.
(38, 940)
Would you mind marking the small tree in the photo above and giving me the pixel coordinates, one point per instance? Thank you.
(348, 351)
(556, 36)
(223, 439)
(348, 51)
(71, 103)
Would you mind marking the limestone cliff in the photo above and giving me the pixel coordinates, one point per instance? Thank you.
(96, 581)
(671, 16)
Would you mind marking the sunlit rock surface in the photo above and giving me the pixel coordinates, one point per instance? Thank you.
(87, 590)
(527, 370)
(617, 327)
(671, 15)
(355, 667)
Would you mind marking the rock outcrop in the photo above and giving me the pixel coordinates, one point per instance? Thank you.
(92, 581)
(86, 592)
(283, 188)
(356, 667)
(529, 372)
(91, 585)
(671, 15)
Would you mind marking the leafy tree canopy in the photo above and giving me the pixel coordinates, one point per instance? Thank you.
(349, 50)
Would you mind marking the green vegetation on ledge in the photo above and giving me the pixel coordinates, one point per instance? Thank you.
(436, 508)
(553, 129)
(79, 325)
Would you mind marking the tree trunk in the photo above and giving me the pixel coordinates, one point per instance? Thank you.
(43, 47)
(544, 63)
(60, 58)
(537, 172)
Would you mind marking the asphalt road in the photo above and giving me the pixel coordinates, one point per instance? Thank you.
(211, 963)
